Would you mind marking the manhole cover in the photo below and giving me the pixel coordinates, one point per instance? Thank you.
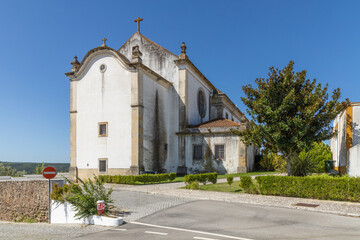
(305, 205)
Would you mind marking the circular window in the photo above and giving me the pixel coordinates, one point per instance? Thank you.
(201, 103)
(102, 68)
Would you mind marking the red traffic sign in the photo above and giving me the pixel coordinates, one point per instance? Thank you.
(49, 172)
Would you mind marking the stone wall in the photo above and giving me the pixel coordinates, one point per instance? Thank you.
(24, 200)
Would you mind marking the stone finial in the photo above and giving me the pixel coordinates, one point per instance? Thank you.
(183, 51)
(104, 42)
(75, 64)
(243, 119)
(136, 54)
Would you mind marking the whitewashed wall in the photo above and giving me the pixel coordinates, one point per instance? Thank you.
(104, 98)
(194, 84)
(228, 165)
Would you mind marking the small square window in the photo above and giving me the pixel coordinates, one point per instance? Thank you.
(103, 129)
(219, 152)
(102, 165)
(197, 153)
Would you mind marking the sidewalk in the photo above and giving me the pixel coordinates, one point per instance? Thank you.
(172, 189)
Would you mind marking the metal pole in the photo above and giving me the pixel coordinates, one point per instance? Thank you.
(49, 202)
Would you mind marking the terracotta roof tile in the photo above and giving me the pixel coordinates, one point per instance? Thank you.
(218, 122)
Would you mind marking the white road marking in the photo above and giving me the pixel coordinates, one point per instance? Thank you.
(158, 233)
(118, 229)
(192, 231)
(204, 238)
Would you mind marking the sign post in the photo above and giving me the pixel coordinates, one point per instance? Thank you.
(49, 173)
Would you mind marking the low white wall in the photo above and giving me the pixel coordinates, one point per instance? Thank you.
(65, 213)
(354, 161)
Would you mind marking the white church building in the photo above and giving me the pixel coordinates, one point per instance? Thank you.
(143, 108)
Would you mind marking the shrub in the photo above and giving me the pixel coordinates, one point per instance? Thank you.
(193, 185)
(203, 178)
(144, 178)
(230, 180)
(84, 196)
(301, 165)
(318, 187)
(318, 153)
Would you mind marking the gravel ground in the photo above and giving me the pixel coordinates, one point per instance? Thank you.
(42, 231)
(172, 189)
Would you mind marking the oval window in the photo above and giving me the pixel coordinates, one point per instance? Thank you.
(201, 103)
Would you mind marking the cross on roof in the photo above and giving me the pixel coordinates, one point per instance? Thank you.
(104, 42)
(138, 20)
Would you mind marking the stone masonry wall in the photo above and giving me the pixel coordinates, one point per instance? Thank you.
(24, 200)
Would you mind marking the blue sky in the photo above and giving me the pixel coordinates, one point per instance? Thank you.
(231, 42)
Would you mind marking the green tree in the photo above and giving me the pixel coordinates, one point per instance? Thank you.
(318, 153)
(289, 112)
(9, 171)
(39, 168)
(230, 180)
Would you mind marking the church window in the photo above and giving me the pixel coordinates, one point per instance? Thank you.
(197, 153)
(102, 68)
(201, 103)
(103, 129)
(219, 152)
(226, 116)
(103, 165)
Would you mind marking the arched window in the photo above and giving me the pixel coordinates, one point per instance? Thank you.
(201, 103)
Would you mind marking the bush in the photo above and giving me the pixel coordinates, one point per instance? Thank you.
(193, 185)
(272, 162)
(318, 187)
(203, 178)
(318, 153)
(83, 196)
(144, 178)
(301, 165)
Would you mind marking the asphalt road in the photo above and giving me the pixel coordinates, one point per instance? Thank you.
(209, 220)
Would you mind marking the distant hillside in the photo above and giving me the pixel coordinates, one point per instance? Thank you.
(29, 167)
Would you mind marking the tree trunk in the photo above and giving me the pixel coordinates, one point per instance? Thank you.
(288, 167)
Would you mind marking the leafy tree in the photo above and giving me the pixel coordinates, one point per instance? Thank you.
(39, 169)
(289, 112)
(8, 171)
(318, 153)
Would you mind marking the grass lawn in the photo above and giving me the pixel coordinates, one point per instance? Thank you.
(222, 187)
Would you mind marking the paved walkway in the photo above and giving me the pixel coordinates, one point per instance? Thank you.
(172, 190)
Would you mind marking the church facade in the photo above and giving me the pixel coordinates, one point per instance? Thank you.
(142, 108)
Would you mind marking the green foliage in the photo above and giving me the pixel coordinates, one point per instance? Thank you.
(318, 153)
(289, 112)
(247, 184)
(272, 162)
(318, 187)
(39, 168)
(193, 186)
(30, 168)
(8, 171)
(203, 178)
(144, 178)
(84, 196)
(301, 165)
(230, 180)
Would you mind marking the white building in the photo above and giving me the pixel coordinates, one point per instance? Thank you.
(345, 144)
(143, 108)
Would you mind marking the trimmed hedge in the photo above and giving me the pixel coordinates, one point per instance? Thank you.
(318, 187)
(203, 178)
(144, 178)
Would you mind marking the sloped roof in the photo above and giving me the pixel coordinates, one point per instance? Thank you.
(150, 41)
(218, 122)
